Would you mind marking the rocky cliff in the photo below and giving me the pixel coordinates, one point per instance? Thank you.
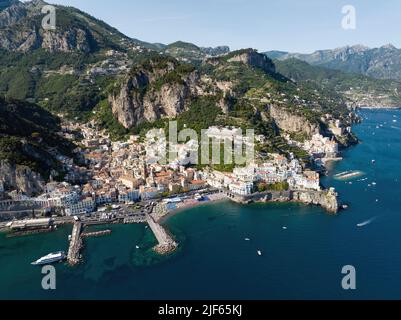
(11, 12)
(327, 199)
(253, 58)
(22, 31)
(291, 122)
(20, 178)
(216, 51)
(158, 90)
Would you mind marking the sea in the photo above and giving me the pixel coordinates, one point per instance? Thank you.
(304, 249)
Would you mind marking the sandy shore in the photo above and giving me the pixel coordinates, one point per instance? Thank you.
(192, 203)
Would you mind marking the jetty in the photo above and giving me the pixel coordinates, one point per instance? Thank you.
(74, 251)
(96, 233)
(166, 244)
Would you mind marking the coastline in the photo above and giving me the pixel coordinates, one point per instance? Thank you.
(327, 200)
(379, 108)
(183, 208)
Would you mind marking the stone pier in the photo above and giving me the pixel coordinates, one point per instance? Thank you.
(166, 243)
(74, 251)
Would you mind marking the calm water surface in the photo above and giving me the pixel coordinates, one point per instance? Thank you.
(215, 262)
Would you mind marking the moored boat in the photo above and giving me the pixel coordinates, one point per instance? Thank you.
(50, 258)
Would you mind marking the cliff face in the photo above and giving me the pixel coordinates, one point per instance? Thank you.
(67, 41)
(12, 11)
(20, 178)
(148, 95)
(255, 59)
(291, 122)
(21, 30)
(326, 199)
(26, 39)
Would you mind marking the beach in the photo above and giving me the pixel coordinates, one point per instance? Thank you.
(189, 203)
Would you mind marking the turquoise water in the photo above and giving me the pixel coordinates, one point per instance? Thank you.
(215, 262)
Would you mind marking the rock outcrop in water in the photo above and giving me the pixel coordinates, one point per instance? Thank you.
(327, 199)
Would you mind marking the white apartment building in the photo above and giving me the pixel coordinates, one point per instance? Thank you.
(219, 180)
(241, 188)
(149, 192)
(246, 174)
(81, 207)
(308, 181)
(128, 196)
(321, 145)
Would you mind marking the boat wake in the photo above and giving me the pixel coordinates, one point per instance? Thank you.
(365, 223)
(347, 175)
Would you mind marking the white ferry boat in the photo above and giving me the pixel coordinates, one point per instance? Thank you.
(50, 258)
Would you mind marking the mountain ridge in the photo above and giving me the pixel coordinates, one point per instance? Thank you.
(382, 63)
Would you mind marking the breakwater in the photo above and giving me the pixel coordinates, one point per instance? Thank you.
(74, 251)
(96, 233)
(166, 244)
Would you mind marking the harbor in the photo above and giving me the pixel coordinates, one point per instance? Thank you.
(154, 213)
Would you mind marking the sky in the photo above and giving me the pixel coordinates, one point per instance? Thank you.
(288, 25)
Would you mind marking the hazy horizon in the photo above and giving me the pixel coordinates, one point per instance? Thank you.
(264, 25)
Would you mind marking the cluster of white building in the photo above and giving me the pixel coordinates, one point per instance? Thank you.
(122, 172)
(279, 169)
(318, 146)
(159, 149)
(126, 172)
(321, 146)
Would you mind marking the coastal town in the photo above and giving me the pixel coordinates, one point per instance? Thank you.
(124, 181)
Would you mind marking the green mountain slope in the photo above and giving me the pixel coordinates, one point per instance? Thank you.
(28, 137)
(363, 90)
(65, 70)
(380, 63)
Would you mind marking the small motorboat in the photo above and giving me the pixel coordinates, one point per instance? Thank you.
(259, 253)
(50, 258)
